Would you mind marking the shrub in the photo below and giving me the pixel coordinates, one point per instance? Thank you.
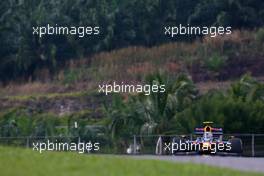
(215, 62)
(260, 35)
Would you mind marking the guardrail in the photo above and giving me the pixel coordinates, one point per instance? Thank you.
(253, 144)
(28, 141)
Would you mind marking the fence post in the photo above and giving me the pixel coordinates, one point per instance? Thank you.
(134, 145)
(27, 142)
(161, 149)
(253, 145)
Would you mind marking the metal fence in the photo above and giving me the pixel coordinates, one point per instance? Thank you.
(28, 141)
(252, 144)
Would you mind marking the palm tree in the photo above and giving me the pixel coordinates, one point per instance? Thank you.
(123, 120)
(248, 89)
(160, 108)
(153, 114)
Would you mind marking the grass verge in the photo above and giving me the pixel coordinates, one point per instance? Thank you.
(24, 162)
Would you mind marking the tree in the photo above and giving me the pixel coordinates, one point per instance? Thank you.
(161, 108)
(247, 89)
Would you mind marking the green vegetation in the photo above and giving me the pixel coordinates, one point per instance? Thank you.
(215, 63)
(122, 23)
(23, 121)
(24, 162)
(177, 111)
(260, 36)
(217, 58)
(181, 109)
(48, 83)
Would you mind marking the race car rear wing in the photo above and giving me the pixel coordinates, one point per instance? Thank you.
(215, 131)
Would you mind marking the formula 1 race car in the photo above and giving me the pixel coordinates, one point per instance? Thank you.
(211, 141)
(208, 140)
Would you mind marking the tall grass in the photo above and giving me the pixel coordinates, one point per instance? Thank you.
(132, 64)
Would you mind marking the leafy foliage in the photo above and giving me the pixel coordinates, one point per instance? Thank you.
(181, 109)
(151, 114)
(122, 23)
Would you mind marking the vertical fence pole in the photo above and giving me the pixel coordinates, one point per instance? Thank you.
(134, 145)
(27, 142)
(253, 145)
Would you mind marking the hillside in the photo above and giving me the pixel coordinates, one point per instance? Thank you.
(71, 93)
(212, 63)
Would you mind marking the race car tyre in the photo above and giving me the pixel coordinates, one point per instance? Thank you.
(236, 145)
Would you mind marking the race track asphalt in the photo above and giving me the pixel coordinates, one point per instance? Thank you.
(238, 163)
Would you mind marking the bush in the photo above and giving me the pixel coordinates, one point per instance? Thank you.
(215, 62)
(260, 36)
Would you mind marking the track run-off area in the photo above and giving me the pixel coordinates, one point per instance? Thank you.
(238, 163)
